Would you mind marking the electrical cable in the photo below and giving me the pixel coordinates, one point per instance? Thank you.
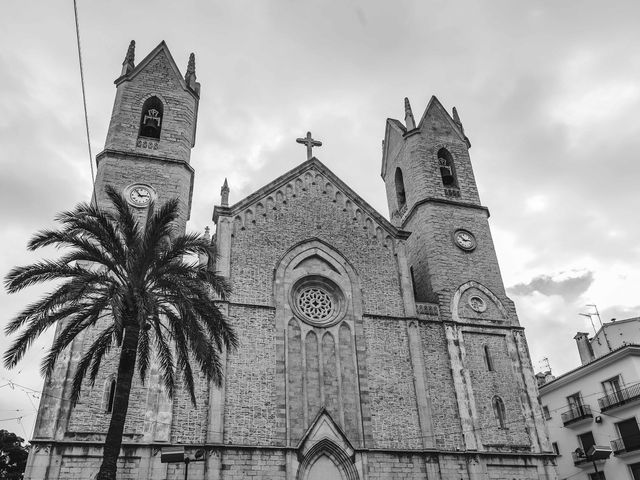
(84, 100)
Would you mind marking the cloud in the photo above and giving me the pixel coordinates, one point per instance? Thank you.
(568, 285)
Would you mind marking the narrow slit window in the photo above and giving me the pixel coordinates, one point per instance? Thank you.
(500, 412)
(487, 358)
(111, 395)
(400, 194)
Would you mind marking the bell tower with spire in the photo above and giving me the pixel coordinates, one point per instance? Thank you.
(152, 132)
(432, 192)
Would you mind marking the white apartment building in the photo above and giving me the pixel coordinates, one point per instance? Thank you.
(598, 404)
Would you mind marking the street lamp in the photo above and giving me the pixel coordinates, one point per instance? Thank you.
(177, 455)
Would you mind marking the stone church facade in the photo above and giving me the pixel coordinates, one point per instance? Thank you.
(369, 349)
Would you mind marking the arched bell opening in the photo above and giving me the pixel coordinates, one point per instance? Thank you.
(447, 168)
(151, 118)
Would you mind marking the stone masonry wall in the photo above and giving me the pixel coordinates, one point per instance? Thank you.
(306, 209)
(180, 108)
(386, 466)
(444, 408)
(501, 382)
(394, 413)
(248, 464)
(449, 267)
(81, 468)
(168, 179)
(250, 413)
(421, 170)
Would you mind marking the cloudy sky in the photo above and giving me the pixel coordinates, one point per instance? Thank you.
(548, 91)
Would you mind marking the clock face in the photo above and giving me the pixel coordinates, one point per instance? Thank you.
(464, 240)
(139, 195)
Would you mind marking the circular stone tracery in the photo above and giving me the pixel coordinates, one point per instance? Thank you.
(315, 304)
(318, 301)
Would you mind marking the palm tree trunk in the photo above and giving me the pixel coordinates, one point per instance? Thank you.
(126, 367)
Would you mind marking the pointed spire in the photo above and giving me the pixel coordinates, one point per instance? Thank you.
(409, 121)
(224, 192)
(456, 118)
(127, 64)
(190, 76)
(202, 258)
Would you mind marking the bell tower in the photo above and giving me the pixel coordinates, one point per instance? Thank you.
(432, 192)
(152, 132)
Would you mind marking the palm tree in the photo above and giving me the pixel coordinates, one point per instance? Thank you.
(137, 291)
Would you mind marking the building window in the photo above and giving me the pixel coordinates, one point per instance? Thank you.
(635, 471)
(546, 413)
(401, 197)
(413, 283)
(499, 412)
(586, 441)
(629, 440)
(151, 118)
(488, 361)
(111, 395)
(447, 169)
(556, 450)
(575, 404)
(612, 388)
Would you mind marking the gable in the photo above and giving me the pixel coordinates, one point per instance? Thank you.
(435, 109)
(159, 54)
(311, 174)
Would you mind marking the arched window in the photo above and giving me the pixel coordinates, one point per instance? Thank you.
(400, 195)
(487, 358)
(151, 118)
(447, 170)
(111, 395)
(499, 412)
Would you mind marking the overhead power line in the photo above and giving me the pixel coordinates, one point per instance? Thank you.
(84, 99)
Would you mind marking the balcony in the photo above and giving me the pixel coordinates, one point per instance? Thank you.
(629, 443)
(582, 461)
(621, 397)
(576, 414)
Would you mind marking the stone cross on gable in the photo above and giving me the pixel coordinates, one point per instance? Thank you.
(310, 143)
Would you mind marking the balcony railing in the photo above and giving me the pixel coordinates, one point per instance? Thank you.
(615, 399)
(630, 443)
(575, 414)
(579, 458)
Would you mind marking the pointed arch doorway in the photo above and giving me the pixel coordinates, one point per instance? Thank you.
(324, 469)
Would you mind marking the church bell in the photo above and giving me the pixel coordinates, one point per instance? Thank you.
(447, 175)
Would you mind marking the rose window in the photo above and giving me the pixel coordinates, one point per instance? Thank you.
(477, 304)
(317, 301)
(315, 304)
